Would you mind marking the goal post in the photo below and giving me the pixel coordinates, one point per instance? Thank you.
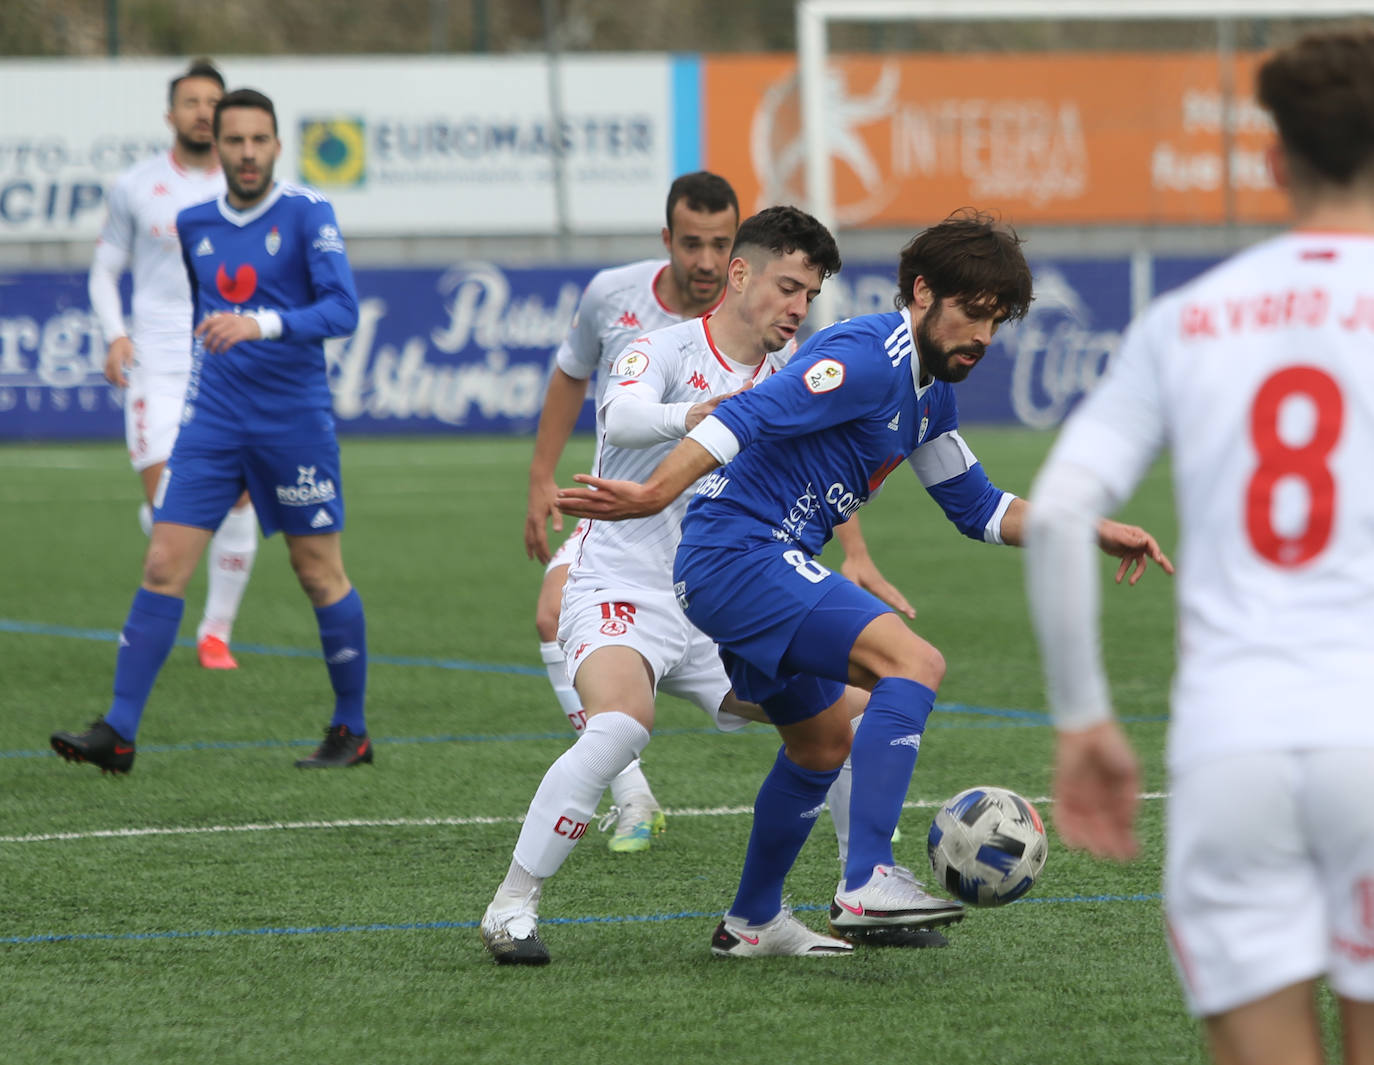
(815, 19)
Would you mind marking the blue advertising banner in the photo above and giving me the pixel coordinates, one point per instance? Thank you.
(468, 348)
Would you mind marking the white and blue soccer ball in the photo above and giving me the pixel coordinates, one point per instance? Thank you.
(987, 846)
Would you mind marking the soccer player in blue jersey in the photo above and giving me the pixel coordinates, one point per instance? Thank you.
(801, 452)
(269, 282)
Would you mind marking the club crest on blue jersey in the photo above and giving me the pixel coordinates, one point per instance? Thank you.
(273, 241)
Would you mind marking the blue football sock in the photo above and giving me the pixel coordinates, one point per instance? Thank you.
(883, 757)
(343, 636)
(788, 804)
(149, 632)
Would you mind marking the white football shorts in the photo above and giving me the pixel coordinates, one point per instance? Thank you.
(1269, 875)
(567, 550)
(683, 658)
(152, 415)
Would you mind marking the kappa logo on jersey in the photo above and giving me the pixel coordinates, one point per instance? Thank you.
(205, 247)
(697, 381)
(241, 287)
(306, 492)
(159, 189)
(329, 239)
(628, 320)
(273, 241)
(631, 364)
(826, 376)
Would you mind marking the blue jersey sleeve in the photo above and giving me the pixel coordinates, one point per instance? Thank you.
(969, 500)
(334, 310)
(832, 380)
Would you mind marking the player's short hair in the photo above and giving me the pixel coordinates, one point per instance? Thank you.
(245, 98)
(1320, 92)
(783, 230)
(972, 257)
(199, 68)
(703, 191)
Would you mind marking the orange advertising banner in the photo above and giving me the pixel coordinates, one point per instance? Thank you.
(1040, 138)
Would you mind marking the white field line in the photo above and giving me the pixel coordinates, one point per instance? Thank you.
(410, 822)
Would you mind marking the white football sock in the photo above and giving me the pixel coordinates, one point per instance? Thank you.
(230, 562)
(520, 887)
(567, 797)
(557, 668)
(837, 799)
(631, 783)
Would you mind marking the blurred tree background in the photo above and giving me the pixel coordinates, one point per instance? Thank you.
(342, 27)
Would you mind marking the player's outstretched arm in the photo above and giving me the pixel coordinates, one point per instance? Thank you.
(608, 500)
(1097, 791)
(859, 567)
(562, 403)
(1134, 546)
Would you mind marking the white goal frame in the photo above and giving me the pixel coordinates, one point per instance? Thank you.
(814, 18)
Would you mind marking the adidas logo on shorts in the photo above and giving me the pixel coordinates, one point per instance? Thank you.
(321, 519)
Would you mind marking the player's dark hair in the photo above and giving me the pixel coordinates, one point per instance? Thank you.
(1320, 92)
(703, 191)
(199, 68)
(971, 257)
(783, 230)
(245, 98)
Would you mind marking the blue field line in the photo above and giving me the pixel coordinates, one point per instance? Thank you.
(442, 926)
(32, 628)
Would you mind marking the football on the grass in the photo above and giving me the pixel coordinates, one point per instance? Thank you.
(987, 845)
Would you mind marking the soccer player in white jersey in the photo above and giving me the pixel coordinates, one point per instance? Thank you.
(621, 627)
(270, 282)
(150, 357)
(1258, 377)
(619, 305)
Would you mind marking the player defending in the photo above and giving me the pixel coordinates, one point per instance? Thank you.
(152, 363)
(1259, 378)
(269, 281)
(802, 452)
(619, 305)
(622, 628)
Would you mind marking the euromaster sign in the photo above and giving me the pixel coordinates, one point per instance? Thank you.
(416, 146)
(1041, 138)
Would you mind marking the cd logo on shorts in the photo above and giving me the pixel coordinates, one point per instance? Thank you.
(333, 151)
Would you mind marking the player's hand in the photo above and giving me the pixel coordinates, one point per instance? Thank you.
(539, 510)
(607, 500)
(118, 358)
(863, 572)
(1134, 546)
(222, 331)
(1097, 791)
(697, 411)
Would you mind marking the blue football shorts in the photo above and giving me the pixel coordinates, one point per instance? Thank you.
(295, 487)
(784, 623)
